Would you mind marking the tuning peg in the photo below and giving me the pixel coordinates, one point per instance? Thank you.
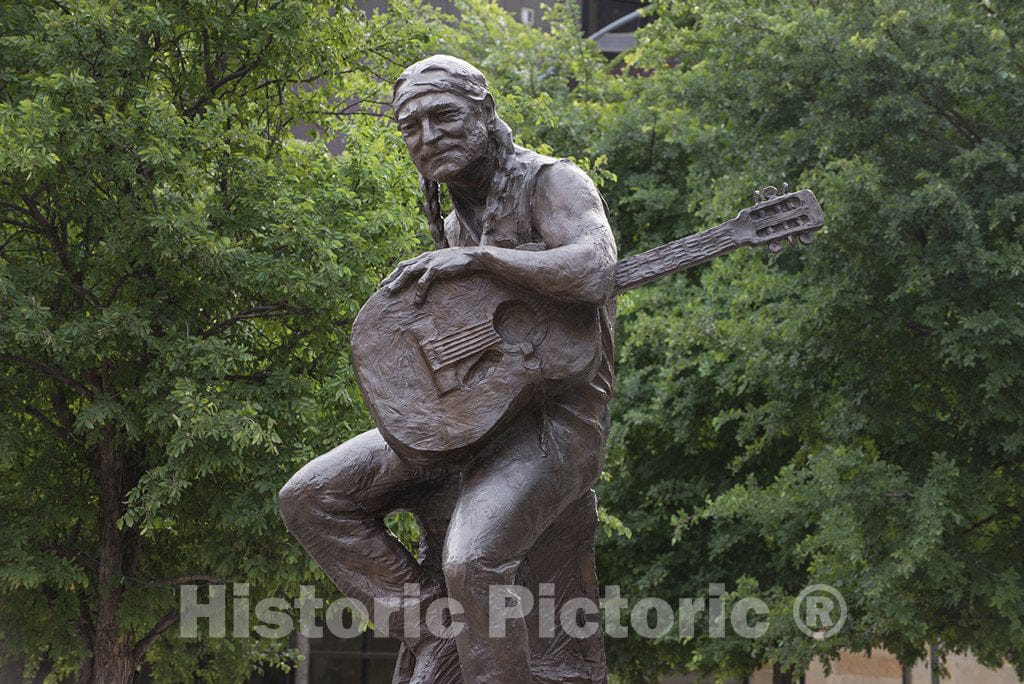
(785, 188)
(757, 196)
(774, 246)
(805, 238)
(790, 238)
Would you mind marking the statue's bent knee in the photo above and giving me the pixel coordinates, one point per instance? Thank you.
(296, 501)
(335, 485)
(470, 573)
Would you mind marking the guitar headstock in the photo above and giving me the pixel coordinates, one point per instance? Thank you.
(776, 216)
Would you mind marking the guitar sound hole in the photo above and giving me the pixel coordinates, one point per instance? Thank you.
(515, 322)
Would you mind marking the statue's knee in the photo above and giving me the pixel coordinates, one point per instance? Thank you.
(334, 486)
(456, 570)
(306, 501)
(469, 572)
(297, 502)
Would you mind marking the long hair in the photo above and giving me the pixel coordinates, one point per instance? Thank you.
(432, 208)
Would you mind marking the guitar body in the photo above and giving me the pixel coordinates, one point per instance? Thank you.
(442, 377)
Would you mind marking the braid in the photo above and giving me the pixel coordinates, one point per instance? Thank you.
(501, 184)
(432, 208)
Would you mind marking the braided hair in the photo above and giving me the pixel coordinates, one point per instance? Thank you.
(432, 208)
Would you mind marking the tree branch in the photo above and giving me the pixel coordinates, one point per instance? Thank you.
(192, 579)
(162, 625)
(213, 85)
(84, 625)
(51, 372)
(253, 377)
(59, 243)
(15, 222)
(17, 208)
(960, 123)
(264, 311)
(65, 435)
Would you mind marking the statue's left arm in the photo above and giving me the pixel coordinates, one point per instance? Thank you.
(577, 264)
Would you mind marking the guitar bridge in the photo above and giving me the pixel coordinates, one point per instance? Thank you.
(444, 353)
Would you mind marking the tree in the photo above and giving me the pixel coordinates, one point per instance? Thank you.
(850, 414)
(177, 277)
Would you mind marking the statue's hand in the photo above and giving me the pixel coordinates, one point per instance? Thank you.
(441, 263)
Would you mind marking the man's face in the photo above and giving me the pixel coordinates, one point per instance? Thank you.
(446, 135)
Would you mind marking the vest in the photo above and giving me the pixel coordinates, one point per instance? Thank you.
(513, 228)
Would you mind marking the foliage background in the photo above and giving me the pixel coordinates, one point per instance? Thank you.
(848, 414)
(178, 275)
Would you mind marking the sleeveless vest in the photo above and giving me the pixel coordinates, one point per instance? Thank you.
(512, 227)
(510, 208)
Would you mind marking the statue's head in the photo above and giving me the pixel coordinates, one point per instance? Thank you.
(446, 115)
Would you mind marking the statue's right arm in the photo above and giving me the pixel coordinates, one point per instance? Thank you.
(579, 260)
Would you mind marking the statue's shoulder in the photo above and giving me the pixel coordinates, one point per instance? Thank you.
(527, 159)
(564, 183)
(554, 174)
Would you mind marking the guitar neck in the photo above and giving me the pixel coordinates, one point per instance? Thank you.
(676, 256)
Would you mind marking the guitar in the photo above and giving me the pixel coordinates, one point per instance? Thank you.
(441, 378)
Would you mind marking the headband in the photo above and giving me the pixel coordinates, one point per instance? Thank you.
(440, 73)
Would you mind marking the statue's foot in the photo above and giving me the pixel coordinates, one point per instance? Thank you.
(437, 662)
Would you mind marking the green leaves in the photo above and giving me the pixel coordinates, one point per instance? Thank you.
(849, 413)
(178, 276)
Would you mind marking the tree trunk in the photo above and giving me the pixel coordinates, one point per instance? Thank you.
(14, 671)
(302, 670)
(111, 664)
(112, 660)
(936, 664)
(780, 677)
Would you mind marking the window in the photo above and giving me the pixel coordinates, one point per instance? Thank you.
(526, 15)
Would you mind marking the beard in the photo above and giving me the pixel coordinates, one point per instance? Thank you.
(455, 160)
(452, 166)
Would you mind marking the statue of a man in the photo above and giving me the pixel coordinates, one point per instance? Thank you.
(533, 221)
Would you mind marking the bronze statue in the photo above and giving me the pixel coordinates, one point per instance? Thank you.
(487, 367)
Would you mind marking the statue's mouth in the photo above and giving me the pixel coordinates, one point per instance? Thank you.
(433, 153)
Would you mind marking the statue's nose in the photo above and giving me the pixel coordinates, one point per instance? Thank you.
(431, 133)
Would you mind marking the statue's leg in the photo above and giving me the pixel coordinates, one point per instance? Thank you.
(437, 661)
(560, 567)
(335, 506)
(509, 498)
